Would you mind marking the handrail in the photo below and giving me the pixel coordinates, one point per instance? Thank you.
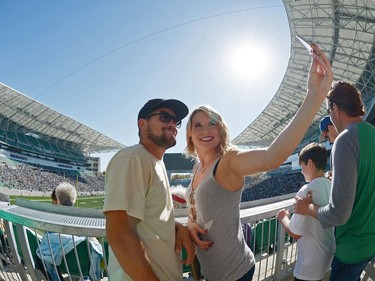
(70, 220)
(41, 217)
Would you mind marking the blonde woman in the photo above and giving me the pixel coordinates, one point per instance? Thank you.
(214, 193)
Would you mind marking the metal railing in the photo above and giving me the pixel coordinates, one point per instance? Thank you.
(27, 221)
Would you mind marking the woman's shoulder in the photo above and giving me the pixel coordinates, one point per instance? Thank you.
(229, 156)
(231, 153)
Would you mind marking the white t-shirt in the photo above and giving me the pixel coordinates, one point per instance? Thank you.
(137, 183)
(317, 244)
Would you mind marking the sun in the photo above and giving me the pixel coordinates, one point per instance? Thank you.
(249, 62)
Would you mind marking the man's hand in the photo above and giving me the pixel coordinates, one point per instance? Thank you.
(183, 240)
(306, 206)
(328, 175)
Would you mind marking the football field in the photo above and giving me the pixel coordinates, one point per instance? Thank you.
(95, 202)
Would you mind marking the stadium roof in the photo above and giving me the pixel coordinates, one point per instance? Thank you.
(21, 113)
(346, 31)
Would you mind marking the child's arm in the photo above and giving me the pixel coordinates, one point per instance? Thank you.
(283, 217)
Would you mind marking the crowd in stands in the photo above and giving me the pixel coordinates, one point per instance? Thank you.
(264, 187)
(30, 178)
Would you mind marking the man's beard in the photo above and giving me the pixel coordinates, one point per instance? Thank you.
(162, 141)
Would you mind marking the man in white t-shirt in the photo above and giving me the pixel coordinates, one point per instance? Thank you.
(315, 243)
(145, 241)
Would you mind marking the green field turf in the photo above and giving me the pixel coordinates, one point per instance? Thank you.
(95, 202)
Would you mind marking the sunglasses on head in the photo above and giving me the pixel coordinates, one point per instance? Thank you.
(166, 117)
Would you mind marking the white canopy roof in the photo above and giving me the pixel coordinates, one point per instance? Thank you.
(346, 31)
(21, 113)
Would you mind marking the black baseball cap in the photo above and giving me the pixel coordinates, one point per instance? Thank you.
(179, 108)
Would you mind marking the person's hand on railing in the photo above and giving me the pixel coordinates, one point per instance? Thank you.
(282, 214)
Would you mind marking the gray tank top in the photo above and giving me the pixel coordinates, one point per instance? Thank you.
(219, 209)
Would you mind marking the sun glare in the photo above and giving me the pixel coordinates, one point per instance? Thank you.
(249, 62)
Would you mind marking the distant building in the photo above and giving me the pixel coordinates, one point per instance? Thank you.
(179, 168)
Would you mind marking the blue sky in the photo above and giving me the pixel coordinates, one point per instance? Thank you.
(99, 61)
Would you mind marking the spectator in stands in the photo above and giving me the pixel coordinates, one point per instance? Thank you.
(53, 197)
(28, 177)
(215, 191)
(350, 208)
(272, 186)
(50, 249)
(145, 240)
(315, 244)
(327, 130)
(66, 194)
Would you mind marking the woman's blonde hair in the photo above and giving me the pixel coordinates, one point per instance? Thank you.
(225, 144)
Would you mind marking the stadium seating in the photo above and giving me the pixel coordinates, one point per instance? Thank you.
(76, 267)
(265, 235)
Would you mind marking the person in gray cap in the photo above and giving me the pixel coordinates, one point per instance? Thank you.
(327, 130)
(145, 241)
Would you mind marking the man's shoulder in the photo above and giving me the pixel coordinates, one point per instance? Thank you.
(367, 129)
(349, 135)
(129, 153)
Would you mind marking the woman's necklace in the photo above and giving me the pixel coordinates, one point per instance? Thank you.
(203, 169)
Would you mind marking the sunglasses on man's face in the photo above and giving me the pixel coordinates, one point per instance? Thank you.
(166, 117)
(329, 108)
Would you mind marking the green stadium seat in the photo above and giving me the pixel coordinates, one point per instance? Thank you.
(74, 266)
(34, 241)
(265, 235)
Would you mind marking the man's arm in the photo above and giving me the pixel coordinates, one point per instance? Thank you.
(344, 181)
(183, 240)
(305, 206)
(127, 247)
(344, 185)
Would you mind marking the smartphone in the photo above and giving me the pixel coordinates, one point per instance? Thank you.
(305, 43)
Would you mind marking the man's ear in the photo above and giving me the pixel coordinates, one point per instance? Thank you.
(141, 123)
